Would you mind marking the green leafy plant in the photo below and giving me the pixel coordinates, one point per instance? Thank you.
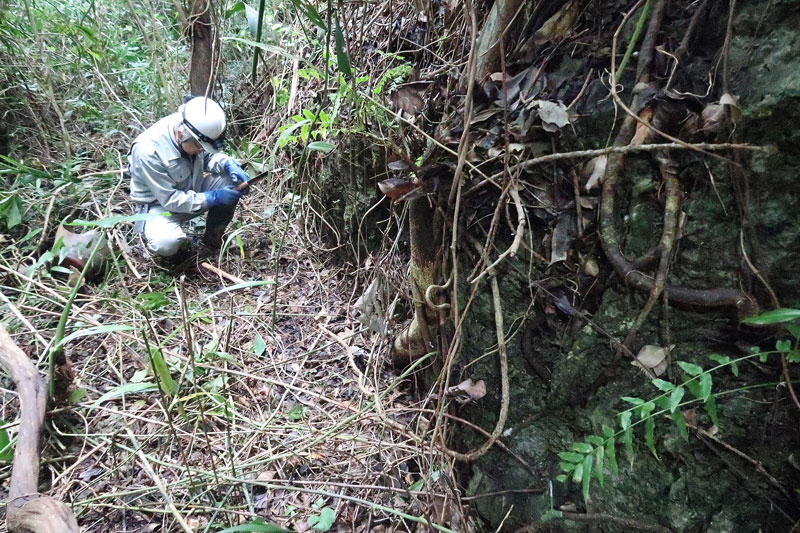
(6, 449)
(587, 460)
(11, 210)
(324, 520)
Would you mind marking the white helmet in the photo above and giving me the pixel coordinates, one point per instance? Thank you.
(206, 120)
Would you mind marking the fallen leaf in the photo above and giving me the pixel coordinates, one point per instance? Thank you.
(563, 235)
(721, 116)
(653, 358)
(595, 171)
(370, 308)
(558, 25)
(553, 114)
(643, 132)
(395, 187)
(398, 165)
(590, 267)
(467, 391)
(407, 100)
(77, 247)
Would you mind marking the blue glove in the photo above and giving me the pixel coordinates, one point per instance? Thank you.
(235, 171)
(227, 196)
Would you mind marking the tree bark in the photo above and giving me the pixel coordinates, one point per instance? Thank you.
(204, 43)
(413, 341)
(27, 510)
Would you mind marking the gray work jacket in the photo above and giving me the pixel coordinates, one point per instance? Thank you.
(161, 174)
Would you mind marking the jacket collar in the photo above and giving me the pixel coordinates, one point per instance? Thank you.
(167, 147)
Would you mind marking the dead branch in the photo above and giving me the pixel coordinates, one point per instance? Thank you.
(29, 511)
(520, 232)
(629, 523)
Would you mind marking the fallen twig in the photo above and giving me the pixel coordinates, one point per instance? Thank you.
(221, 273)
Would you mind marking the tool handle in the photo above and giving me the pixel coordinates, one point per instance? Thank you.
(241, 186)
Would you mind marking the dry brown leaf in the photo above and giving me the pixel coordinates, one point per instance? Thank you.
(395, 187)
(595, 171)
(397, 165)
(643, 132)
(553, 114)
(563, 235)
(721, 116)
(407, 100)
(78, 248)
(653, 358)
(467, 391)
(590, 267)
(558, 25)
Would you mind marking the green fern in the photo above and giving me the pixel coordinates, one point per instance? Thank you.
(587, 459)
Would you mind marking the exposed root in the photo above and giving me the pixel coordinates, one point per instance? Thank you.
(504, 384)
(629, 523)
(672, 208)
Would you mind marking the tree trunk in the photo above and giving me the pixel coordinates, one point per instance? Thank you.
(204, 45)
(414, 341)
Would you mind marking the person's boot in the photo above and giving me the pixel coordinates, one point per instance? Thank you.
(217, 220)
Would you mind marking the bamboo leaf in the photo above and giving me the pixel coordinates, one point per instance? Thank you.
(711, 409)
(245, 285)
(161, 371)
(627, 434)
(694, 388)
(773, 317)
(321, 146)
(122, 390)
(256, 526)
(721, 359)
(611, 453)
(577, 474)
(646, 409)
(108, 328)
(595, 440)
(567, 467)
(635, 401)
(342, 59)
(625, 419)
(6, 450)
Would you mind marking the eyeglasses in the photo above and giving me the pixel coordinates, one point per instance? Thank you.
(194, 142)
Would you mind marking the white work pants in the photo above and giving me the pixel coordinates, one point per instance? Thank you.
(164, 235)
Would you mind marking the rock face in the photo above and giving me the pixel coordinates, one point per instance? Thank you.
(702, 484)
(561, 314)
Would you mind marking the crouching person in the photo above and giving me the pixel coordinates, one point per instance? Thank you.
(176, 166)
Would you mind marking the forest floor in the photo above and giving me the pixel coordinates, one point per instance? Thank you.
(284, 408)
